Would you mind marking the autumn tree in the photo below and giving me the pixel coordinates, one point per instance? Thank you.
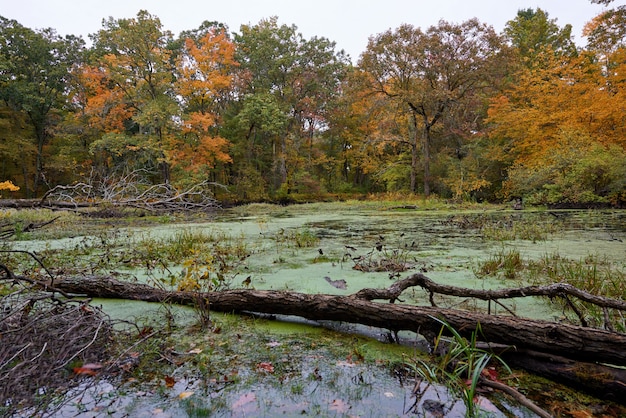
(205, 71)
(425, 75)
(34, 71)
(131, 78)
(532, 33)
(569, 110)
(607, 31)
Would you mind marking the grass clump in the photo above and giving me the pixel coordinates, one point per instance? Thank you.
(592, 274)
(528, 229)
(459, 365)
(507, 263)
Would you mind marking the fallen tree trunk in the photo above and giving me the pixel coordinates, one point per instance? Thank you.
(571, 341)
(577, 356)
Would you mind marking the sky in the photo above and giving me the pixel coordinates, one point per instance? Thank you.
(349, 23)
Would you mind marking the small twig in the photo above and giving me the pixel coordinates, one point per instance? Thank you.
(15, 355)
(607, 320)
(573, 307)
(95, 336)
(131, 347)
(36, 259)
(40, 353)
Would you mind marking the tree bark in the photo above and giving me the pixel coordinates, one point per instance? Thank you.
(580, 357)
(570, 341)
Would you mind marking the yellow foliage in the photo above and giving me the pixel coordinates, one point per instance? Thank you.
(8, 185)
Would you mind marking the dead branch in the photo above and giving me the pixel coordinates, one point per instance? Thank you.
(523, 400)
(552, 291)
(41, 341)
(585, 344)
(8, 229)
(132, 190)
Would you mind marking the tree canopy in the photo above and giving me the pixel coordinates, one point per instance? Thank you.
(455, 109)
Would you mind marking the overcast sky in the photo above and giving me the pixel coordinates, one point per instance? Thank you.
(347, 22)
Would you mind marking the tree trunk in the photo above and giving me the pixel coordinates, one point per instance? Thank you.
(426, 147)
(414, 151)
(570, 341)
(575, 355)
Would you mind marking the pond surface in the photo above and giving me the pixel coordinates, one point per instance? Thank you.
(319, 249)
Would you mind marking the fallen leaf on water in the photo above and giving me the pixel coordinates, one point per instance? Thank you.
(185, 395)
(243, 400)
(88, 372)
(339, 406)
(169, 381)
(268, 367)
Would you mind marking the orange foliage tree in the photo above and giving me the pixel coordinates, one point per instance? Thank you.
(537, 119)
(204, 82)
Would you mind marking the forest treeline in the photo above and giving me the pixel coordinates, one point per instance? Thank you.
(456, 110)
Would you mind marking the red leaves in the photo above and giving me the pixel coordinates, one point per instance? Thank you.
(169, 381)
(266, 367)
(89, 369)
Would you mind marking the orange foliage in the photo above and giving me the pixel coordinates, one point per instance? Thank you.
(206, 69)
(103, 106)
(573, 96)
(205, 76)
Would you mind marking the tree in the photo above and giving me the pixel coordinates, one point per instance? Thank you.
(204, 83)
(532, 33)
(568, 110)
(429, 73)
(297, 79)
(34, 72)
(132, 67)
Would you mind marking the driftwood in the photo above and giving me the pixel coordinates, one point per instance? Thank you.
(581, 357)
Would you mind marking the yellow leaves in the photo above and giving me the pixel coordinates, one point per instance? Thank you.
(575, 95)
(8, 185)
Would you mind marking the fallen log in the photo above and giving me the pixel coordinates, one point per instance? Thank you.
(570, 341)
(601, 381)
(41, 203)
(580, 357)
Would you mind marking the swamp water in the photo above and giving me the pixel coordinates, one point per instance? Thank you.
(302, 368)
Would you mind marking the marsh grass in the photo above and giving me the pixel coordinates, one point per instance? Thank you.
(298, 238)
(507, 263)
(458, 364)
(528, 229)
(593, 274)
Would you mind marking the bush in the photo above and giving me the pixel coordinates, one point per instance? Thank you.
(577, 170)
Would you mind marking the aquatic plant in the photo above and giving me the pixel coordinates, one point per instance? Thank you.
(593, 274)
(529, 229)
(505, 262)
(458, 363)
